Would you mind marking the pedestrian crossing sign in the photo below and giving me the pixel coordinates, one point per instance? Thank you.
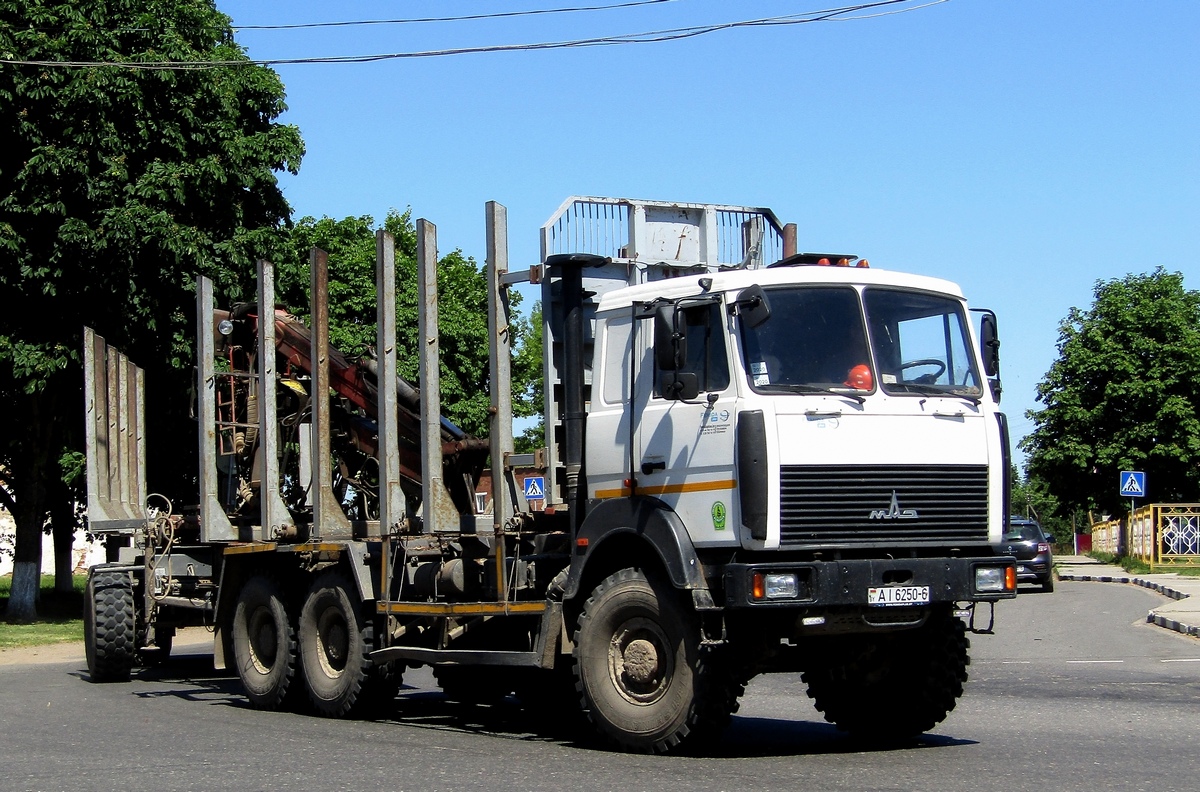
(535, 488)
(1133, 484)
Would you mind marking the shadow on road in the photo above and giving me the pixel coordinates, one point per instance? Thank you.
(193, 678)
(746, 737)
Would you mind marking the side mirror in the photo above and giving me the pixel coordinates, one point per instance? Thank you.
(670, 354)
(752, 306)
(679, 385)
(670, 338)
(989, 344)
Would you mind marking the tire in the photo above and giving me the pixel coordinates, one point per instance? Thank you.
(335, 641)
(109, 632)
(637, 664)
(264, 643)
(892, 686)
(1048, 583)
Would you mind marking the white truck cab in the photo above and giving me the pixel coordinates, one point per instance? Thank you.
(872, 422)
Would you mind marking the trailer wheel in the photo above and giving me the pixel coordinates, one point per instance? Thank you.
(108, 626)
(893, 686)
(637, 663)
(264, 643)
(334, 642)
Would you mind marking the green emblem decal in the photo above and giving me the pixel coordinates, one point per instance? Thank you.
(718, 515)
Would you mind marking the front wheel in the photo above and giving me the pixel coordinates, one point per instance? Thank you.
(891, 686)
(637, 663)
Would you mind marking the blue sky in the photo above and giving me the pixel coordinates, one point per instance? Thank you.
(1023, 148)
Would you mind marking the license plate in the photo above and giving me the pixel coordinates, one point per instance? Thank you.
(898, 595)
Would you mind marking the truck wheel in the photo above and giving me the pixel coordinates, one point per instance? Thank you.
(334, 642)
(637, 663)
(264, 643)
(892, 686)
(108, 626)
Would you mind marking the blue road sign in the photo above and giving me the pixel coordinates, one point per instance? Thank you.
(1133, 484)
(535, 488)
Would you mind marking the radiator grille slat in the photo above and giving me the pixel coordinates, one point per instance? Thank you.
(853, 506)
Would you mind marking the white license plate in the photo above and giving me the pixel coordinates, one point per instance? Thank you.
(898, 595)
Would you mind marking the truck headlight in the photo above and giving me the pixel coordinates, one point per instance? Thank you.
(995, 580)
(775, 586)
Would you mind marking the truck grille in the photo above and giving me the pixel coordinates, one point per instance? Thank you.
(861, 506)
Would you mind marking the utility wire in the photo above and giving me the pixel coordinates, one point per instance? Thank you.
(844, 13)
(467, 17)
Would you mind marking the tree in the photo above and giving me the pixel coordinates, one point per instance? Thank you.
(117, 186)
(1123, 394)
(462, 312)
(527, 368)
(1031, 498)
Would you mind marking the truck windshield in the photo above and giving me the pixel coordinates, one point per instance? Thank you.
(814, 341)
(921, 343)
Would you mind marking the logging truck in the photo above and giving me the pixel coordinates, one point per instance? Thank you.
(756, 460)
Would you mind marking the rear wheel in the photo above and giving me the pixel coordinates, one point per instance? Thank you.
(637, 663)
(1048, 583)
(891, 686)
(335, 641)
(264, 643)
(109, 626)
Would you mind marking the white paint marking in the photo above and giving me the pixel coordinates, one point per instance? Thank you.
(1077, 662)
(1182, 660)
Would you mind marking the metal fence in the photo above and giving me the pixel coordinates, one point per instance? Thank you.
(1160, 534)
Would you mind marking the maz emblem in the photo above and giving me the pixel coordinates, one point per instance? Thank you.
(893, 512)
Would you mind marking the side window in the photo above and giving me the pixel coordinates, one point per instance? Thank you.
(616, 360)
(707, 355)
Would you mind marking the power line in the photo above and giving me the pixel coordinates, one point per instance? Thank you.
(844, 13)
(467, 17)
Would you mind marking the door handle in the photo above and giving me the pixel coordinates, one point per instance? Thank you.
(649, 467)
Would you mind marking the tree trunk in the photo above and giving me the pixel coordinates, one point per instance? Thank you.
(22, 601)
(33, 477)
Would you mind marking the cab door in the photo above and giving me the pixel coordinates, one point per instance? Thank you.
(684, 448)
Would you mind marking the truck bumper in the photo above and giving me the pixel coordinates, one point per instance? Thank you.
(850, 582)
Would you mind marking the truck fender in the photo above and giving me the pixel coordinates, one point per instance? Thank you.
(649, 520)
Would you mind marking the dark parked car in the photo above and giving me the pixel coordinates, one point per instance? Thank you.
(1030, 545)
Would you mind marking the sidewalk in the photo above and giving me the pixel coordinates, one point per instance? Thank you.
(1181, 615)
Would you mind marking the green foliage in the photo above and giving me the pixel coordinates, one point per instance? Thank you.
(462, 311)
(527, 368)
(1124, 394)
(1031, 498)
(117, 187)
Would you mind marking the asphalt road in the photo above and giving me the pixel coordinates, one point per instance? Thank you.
(1074, 691)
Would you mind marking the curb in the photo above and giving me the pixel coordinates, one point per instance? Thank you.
(1151, 617)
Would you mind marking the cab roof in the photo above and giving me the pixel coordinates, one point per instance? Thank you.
(736, 280)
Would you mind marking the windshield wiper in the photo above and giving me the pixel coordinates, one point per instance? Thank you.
(795, 387)
(933, 390)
